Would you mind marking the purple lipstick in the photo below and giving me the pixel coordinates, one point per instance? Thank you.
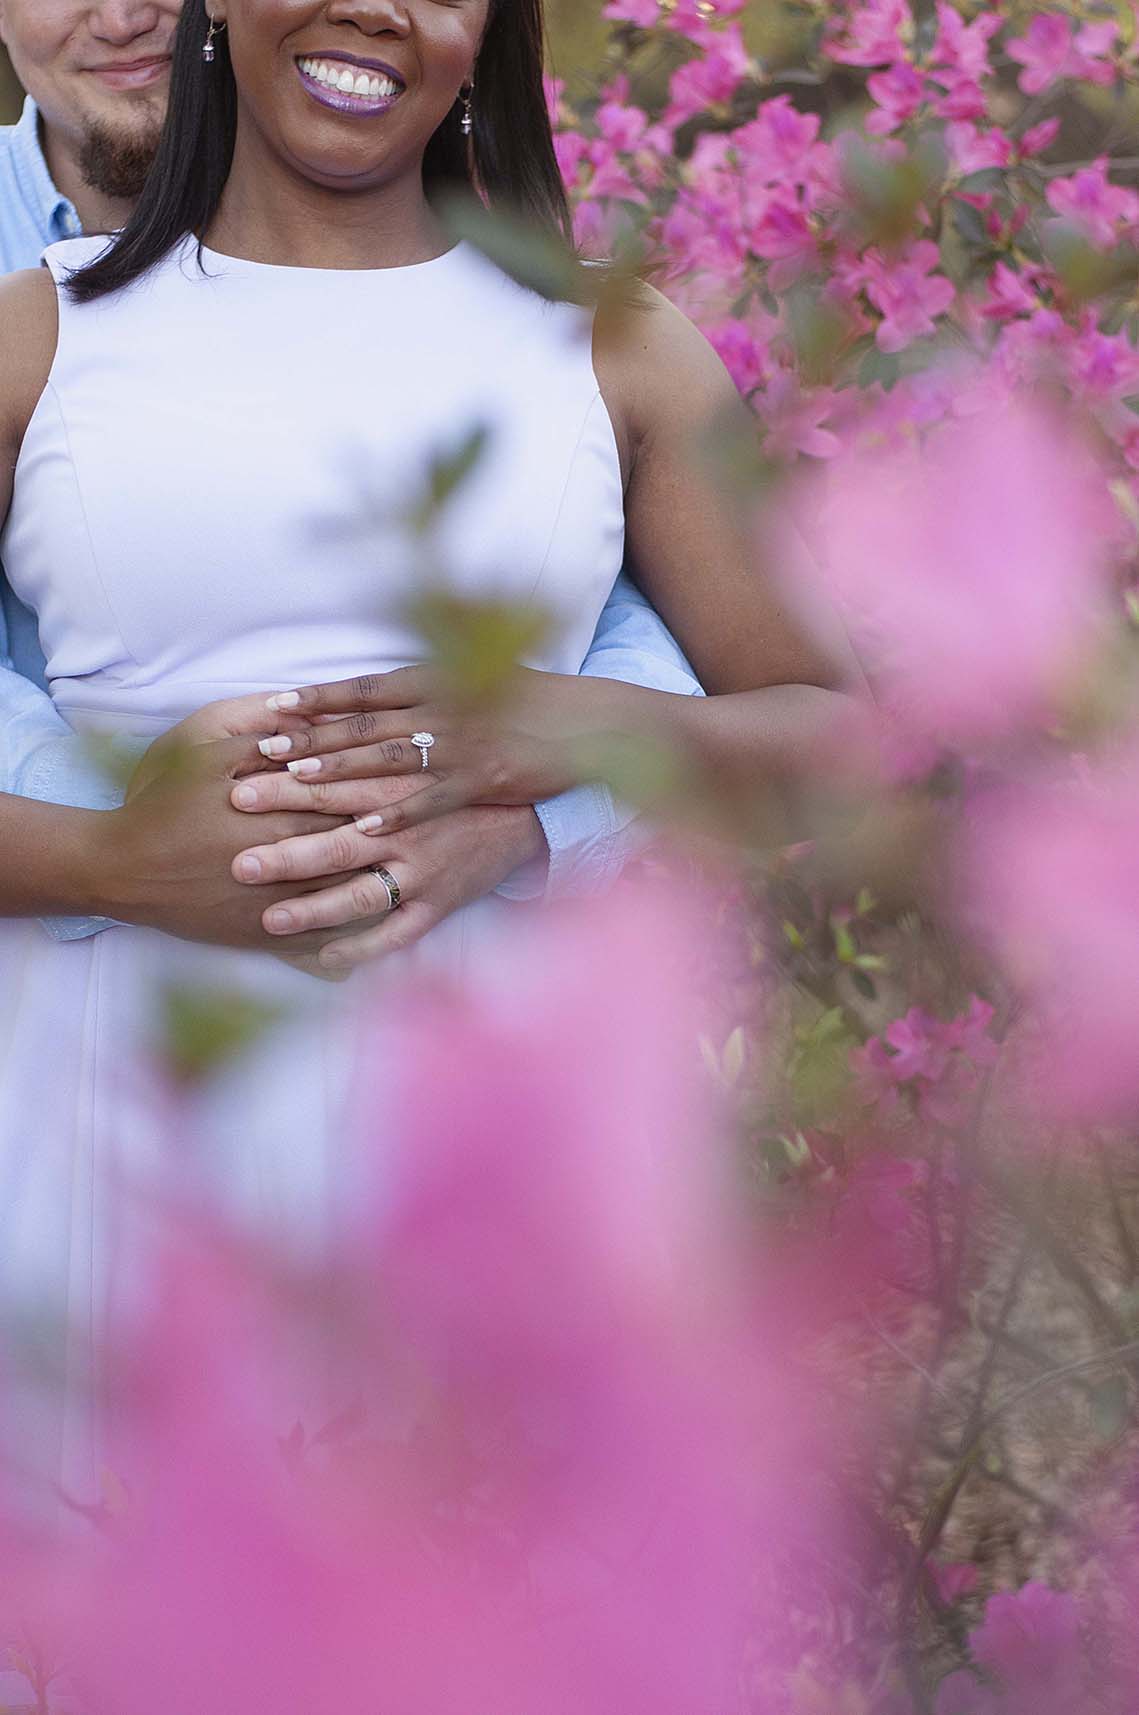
(350, 85)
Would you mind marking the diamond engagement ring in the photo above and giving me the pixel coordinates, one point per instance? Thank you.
(389, 883)
(424, 740)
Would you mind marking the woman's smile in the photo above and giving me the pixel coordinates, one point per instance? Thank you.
(350, 85)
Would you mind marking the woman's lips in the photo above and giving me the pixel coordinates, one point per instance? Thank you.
(363, 106)
(133, 74)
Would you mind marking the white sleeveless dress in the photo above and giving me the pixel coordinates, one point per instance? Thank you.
(209, 501)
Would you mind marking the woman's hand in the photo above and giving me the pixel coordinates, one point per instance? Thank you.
(531, 745)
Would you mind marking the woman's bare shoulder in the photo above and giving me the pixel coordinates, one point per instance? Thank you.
(655, 366)
(29, 332)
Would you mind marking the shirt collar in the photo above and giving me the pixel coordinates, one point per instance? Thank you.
(52, 211)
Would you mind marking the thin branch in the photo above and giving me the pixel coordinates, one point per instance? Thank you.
(1123, 1231)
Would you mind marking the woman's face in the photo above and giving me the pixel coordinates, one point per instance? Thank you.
(349, 92)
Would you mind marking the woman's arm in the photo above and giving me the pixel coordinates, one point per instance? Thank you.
(777, 690)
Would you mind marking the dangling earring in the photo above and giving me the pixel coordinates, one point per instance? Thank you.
(209, 52)
(467, 98)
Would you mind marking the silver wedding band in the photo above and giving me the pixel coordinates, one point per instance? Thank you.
(424, 740)
(389, 883)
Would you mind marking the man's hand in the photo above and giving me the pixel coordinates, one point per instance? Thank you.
(440, 866)
(165, 859)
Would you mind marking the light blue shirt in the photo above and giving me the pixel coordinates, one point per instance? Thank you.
(589, 835)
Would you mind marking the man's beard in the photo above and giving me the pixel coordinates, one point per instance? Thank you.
(115, 162)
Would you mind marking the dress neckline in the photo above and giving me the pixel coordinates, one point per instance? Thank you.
(402, 269)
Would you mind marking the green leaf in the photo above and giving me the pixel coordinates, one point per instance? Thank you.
(844, 943)
(204, 1029)
(477, 644)
(886, 194)
(880, 366)
(982, 182)
(969, 222)
(447, 472)
(820, 1066)
(528, 254)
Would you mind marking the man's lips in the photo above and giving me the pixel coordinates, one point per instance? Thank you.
(132, 74)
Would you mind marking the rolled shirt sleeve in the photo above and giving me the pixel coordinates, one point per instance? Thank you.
(40, 756)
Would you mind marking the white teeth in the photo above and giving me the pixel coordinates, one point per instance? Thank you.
(363, 85)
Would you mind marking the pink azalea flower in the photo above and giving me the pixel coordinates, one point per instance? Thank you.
(1101, 210)
(964, 48)
(1037, 138)
(1030, 1640)
(623, 127)
(778, 144)
(1009, 294)
(744, 345)
(898, 94)
(1054, 48)
(907, 293)
(974, 572)
(972, 151)
(644, 13)
(872, 32)
(710, 80)
(548, 1341)
(961, 99)
(794, 418)
(1049, 874)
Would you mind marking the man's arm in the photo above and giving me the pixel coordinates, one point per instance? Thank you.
(590, 835)
(42, 759)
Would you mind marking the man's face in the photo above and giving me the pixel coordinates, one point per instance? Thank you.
(99, 72)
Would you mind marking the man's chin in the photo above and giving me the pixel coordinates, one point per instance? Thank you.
(115, 157)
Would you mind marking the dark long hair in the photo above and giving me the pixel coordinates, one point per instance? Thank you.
(509, 161)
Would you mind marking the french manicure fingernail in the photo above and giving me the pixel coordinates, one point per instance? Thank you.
(245, 797)
(369, 824)
(306, 765)
(279, 746)
(280, 919)
(249, 868)
(284, 700)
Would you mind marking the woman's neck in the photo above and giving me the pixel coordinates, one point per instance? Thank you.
(278, 217)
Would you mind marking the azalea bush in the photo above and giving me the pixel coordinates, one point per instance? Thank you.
(741, 1315)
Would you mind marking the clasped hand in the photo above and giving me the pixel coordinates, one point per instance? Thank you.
(342, 788)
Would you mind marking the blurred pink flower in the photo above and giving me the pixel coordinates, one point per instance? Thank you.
(897, 94)
(973, 570)
(1049, 876)
(962, 47)
(565, 1464)
(907, 293)
(1030, 1641)
(870, 33)
(1009, 294)
(1103, 211)
(1055, 48)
